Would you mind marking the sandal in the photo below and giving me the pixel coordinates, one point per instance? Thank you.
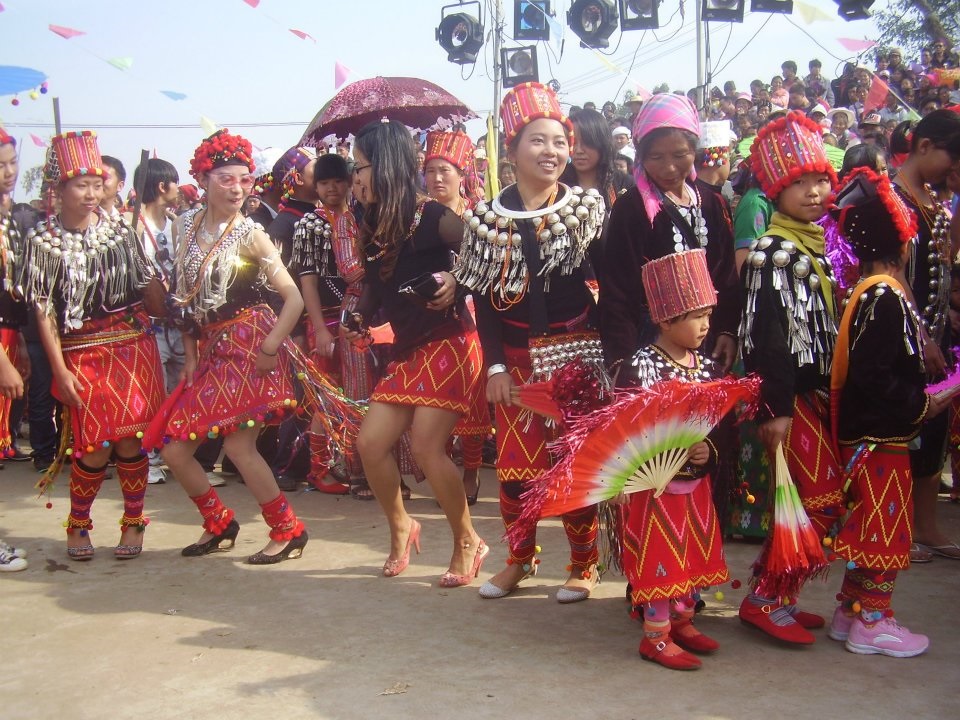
(920, 554)
(80, 553)
(360, 489)
(125, 552)
(949, 550)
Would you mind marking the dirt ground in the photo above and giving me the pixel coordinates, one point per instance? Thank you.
(326, 636)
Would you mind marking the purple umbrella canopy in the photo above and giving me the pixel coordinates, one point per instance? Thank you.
(418, 104)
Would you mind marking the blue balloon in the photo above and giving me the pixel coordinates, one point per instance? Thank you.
(14, 79)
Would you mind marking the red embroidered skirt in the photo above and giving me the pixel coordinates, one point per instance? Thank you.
(672, 545)
(118, 365)
(522, 436)
(441, 373)
(877, 532)
(10, 344)
(810, 456)
(227, 392)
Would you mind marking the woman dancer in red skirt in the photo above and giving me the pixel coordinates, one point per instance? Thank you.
(238, 356)
(406, 241)
(86, 271)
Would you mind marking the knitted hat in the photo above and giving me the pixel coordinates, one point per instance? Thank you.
(528, 102)
(454, 147)
(6, 139)
(786, 149)
(190, 193)
(71, 155)
(219, 150)
(871, 216)
(677, 284)
(293, 161)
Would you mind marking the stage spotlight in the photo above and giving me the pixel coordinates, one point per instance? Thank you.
(639, 15)
(772, 6)
(723, 11)
(854, 9)
(460, 34)
(593, 21)
(519, 65)
(530, 19)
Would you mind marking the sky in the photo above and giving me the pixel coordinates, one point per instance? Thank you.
(240, 66)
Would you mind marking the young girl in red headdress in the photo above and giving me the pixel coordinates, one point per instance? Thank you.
(787, 334)
(86, 273)
(878, 381)
(671, 542)
(522, 259)
(238, 352)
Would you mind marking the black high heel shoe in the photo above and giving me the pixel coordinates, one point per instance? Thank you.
(472, 499)
(229, 534)
(292, 551)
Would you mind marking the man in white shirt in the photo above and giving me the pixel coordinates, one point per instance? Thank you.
(622, 144)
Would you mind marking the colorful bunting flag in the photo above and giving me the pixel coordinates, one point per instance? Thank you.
(877, 96)
(303, 35)
(208, 126)
(811, 14)
(252, 3)
(173, 95)
(65, 32)
(340, 74)
(121, 63)
(38, 141)
(854, 45)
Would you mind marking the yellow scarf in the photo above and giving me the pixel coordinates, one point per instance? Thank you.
(809, 240)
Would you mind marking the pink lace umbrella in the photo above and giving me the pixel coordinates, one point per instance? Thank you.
(418, 104)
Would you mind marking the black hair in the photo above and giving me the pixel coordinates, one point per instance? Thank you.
(815, 63)
(330, 167)
(393, 159)
(116, 165)
(789, 64)
(861, 155)
(644, 145)
(593, 132)
(940, 127)
(158, 172)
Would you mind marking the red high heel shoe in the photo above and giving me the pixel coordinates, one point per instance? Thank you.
(392, 568)
(452, 580)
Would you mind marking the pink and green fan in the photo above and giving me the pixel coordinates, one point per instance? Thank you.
(637, 443)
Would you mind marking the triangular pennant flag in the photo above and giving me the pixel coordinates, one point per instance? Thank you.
(38, 141)
(65, 32)
(252, 3)
(877, 96)
(122, 63)
(173, 95)
(811, 14)
(340, 74)
(854, 45)
(208, 126)
(2, 8)
(303, 35)
(556, 32)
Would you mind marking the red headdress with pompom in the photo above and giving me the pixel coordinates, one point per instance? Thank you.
(221, 149)
(786, 149)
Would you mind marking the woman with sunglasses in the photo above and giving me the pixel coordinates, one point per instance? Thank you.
(86, 272)
(407, 242)
(237, 371)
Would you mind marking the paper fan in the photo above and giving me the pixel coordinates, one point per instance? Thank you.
(794, 553)
(637, 443)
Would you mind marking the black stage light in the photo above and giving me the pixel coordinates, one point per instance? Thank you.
(723, 10)
(519, 65)
(460, 34)
(593, 21)
(854, 9)
(639, 14)
(772, 6)
(530, 19)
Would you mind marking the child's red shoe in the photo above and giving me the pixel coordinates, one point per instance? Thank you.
(759, 617)
(666, 653)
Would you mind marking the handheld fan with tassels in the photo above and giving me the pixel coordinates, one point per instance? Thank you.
(793, 553)
(637, 443)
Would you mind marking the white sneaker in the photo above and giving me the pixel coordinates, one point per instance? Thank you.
(10, 550)
(155, 459)
(215, 480)
(11, 563)
(156, 476)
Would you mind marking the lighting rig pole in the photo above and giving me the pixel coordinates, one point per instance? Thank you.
(497, 41)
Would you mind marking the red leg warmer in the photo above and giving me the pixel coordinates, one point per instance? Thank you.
(216, 515)
(132, 474)
(283, 523)
(84, 486)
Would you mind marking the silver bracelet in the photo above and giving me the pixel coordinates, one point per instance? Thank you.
(496, 369)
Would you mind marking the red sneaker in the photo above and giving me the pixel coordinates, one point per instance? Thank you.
(759, 617)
